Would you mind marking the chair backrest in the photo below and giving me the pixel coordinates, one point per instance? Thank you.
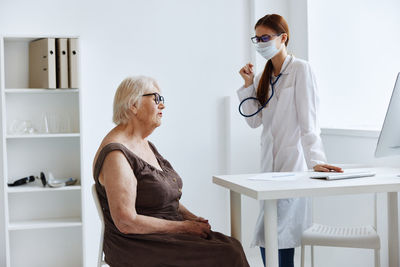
(100, 261)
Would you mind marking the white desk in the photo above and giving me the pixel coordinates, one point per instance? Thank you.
(270, 191)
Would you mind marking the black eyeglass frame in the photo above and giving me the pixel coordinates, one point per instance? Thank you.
(264, 38)
(157, 97)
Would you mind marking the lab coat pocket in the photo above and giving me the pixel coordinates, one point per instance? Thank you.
(285, 98)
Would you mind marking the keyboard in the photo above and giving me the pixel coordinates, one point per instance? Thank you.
(342, 175)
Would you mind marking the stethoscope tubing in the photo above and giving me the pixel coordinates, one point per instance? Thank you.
(255, 98)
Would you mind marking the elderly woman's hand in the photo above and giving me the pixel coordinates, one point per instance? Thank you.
(327, 168)
(200, 229)
(200, 219)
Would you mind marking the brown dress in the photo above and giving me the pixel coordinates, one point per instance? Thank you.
(158, 194)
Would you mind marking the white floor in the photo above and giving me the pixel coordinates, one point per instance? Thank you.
(255, 261)
(254, 258)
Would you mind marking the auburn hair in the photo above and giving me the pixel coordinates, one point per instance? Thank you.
(278, 24)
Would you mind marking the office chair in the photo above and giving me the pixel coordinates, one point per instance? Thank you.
(350, 237)
(100, 260)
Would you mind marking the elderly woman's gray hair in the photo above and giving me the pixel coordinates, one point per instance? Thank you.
(129, 93)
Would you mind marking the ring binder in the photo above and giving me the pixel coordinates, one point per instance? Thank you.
(73, 62)
(42, 63)
(62, 62)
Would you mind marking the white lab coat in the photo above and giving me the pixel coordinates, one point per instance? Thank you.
(290, 141)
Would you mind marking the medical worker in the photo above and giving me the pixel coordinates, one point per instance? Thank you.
(284, 100)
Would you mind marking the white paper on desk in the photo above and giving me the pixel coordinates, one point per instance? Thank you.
(277, 176)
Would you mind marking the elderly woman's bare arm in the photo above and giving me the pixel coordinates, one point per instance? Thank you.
(120, 184)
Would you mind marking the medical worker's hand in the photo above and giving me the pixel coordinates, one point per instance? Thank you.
(247, 74)
(327, 168)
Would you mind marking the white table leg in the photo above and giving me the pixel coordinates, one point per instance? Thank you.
(393, 229)
(271, 233)
(236, 216)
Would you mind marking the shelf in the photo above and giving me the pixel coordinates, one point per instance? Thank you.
(45, 223)
(39, 91)
(39, 188)
(55, 135)
(28, 38)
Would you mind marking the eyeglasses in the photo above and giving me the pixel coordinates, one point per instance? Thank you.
(157, 97)
(263, 39)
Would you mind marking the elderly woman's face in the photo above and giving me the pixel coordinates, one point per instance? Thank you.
(151, 106)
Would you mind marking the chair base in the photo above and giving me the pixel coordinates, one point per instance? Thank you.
(377, 258)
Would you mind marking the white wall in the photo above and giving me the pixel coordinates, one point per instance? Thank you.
(193, 48)
(353, 48)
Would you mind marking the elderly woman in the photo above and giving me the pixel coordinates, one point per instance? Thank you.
(139, 191)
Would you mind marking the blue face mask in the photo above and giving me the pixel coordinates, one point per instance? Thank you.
(268, 49)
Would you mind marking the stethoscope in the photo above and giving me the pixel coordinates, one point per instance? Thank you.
(272, 93)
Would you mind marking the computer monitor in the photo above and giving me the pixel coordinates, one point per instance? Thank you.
(389, 138)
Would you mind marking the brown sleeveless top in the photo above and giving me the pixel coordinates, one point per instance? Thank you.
(158, 194)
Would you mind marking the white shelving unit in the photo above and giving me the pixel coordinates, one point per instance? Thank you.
(27, 136)
(39, 226)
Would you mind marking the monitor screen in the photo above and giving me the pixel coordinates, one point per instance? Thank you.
(389, 139)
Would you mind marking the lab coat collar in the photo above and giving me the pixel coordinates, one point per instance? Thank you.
(287, 64)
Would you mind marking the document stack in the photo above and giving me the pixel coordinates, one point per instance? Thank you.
(53, 63)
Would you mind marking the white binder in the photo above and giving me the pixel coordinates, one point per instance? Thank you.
(73, 62)
(42, 63)
(62, 62)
